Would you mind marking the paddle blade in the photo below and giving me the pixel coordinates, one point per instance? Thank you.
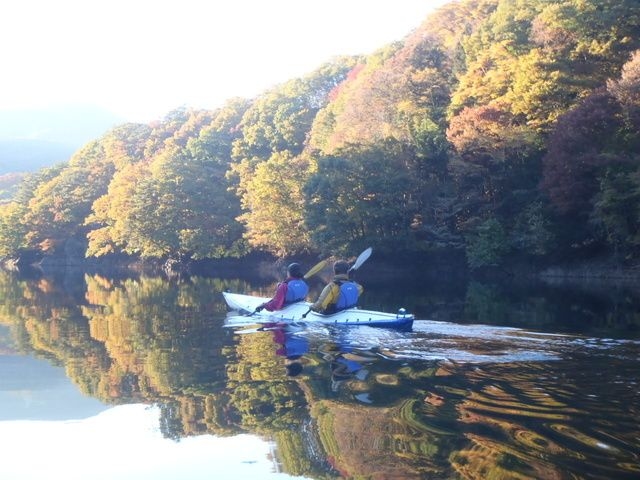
(315, 269)
(361, 259)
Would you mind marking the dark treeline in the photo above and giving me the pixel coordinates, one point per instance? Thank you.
(504, 131)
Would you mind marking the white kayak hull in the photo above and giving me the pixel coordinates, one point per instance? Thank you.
(246, 304)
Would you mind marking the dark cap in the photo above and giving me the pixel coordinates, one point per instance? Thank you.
(341, 266)
(295, 270)
(293, 369)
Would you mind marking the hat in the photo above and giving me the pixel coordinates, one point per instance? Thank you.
(294, 270)
(341, 266)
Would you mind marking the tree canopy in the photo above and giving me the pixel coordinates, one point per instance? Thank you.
(498, 129)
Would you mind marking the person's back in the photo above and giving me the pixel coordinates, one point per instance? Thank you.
(293, 289)
(348, 295)
(297, 288)
(340, 294)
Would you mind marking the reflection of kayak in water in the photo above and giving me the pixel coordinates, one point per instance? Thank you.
(348, 364)
(295, 312)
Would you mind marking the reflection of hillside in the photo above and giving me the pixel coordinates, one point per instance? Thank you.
(33, 389)
(319, 425)
(580, 307)
(156, 335)
(351, 411)
(153, 341)
(363, 442)
(527, 426)
(47, 322)
(396, 433)
(135, 340)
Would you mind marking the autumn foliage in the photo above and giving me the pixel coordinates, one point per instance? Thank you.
(498, 129)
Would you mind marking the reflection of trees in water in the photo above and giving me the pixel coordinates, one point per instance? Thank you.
(570, 307)
(129, 340)
(48, 323)
(373, 426)
(260, 390)
(156, 331)
(490, 421)
(520, 422)
(154, 341)
(586, 307)
(171, 424)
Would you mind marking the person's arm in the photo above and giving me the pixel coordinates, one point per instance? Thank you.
(325, 299)
(277, 301)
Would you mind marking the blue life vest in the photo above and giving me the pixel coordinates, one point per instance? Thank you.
(296, 290)
(348, 296)
(295, 346)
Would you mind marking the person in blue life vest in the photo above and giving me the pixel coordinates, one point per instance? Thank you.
(292, 347)
(340, 294)
(293, 289)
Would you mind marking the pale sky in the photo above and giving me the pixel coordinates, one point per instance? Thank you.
(125, 443)
(142, 58)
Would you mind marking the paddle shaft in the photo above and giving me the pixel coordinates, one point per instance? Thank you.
(315, 269)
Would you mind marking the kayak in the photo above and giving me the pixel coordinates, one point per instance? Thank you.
(247, 304)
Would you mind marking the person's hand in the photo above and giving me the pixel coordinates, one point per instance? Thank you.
(259, 308)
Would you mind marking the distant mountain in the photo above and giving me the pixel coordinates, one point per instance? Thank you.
(23, 155)
(32, 139)
(33, 389)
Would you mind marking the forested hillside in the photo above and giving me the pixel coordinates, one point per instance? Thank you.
(503, 130)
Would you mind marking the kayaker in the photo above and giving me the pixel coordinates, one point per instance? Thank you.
(340, 294)
(293, 348)
(293, 289)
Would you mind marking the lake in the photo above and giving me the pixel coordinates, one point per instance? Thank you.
(142, 377)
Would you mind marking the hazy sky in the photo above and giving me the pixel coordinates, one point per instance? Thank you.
(142, 58)
(125, 442)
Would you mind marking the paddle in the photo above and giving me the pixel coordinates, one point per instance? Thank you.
(310, 273)
(363, 257)
(315, 269)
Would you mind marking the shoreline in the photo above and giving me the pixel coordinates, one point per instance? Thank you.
(437, 267)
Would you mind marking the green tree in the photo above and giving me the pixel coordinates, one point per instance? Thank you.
(111, 225)
(269, 172)
(361, 198)
(12, 229)
(13, 225)
(617, 209)
(540, 57)
(274, 205)
(532, 233)
(487, 245)
(176, 203)
(59, 206)
(280, 119)
(626, 90)
(495, 163)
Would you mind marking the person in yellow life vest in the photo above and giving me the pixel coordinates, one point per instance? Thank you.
(340, 294)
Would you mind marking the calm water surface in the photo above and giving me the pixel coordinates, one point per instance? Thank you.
(144, 377)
